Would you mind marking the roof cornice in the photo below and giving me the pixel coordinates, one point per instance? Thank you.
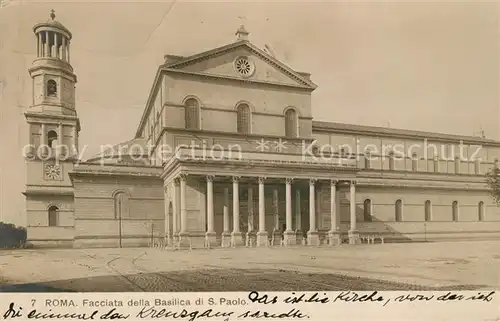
(238, 79)
(152, 95)
(321, 126)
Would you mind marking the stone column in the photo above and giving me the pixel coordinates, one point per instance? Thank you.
(262, 234)
(250, 208)
(67, 47)
(276, 212)
(183, 234)
(210, 234)
(167, 215)
(250, 220)
(74, 148)
(63, 48)
(43, 141)
(39, 45)
(60, 142)
(56, 43)
(298, 218)
(46, 45)
(289, 234)
(175, 210)
(334, 233)
(353, 233)
(236, 235)
(312, 234)
(226, 234)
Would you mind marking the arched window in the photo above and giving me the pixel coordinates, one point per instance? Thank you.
(454, 211)
(291, 123)
(53, 213)
(243, 119)
(480, 211)
(414, 162)
(427, 216)
(192, 113)
(391, 161)
(367, 210)
(121, 205)
(52, 138)
(399, 211)
(51, 88)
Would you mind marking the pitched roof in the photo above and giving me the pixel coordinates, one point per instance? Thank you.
(184, 61)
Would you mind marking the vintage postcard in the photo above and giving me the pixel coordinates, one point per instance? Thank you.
(243, 160)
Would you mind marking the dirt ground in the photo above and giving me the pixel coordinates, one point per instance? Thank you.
(459, 265)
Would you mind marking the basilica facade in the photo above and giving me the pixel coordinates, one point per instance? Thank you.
(227, 153)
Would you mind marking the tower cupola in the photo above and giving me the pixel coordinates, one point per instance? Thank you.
(53, 40)
(53, 77)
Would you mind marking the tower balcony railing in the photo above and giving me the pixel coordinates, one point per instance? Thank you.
(256, 157)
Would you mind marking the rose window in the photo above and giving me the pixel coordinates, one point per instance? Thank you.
(244, 67)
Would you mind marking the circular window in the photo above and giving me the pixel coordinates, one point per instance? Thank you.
(244, 66)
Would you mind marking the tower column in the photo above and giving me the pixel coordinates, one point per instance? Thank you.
(63, 48)
(60, 141)
(43, 141)
(46, 44)
(262, 234)
(312, 234)
(56, 46)
(39, 45)
(288, 235)
(236, 235)
(74, 148)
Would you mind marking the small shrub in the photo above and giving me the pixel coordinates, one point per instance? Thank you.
(12, 237)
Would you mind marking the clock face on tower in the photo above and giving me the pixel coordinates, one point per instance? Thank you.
(52, 171)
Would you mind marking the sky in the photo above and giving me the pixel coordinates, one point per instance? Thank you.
(431, 66)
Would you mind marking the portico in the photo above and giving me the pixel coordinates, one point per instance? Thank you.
(225, 196)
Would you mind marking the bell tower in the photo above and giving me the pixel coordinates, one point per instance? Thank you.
(52, 117)
(52, 150)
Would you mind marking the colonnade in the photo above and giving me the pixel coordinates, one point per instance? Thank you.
(53, 44)
(234, 237)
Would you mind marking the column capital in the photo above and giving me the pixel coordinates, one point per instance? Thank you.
(289, 180)
(182, 177)
(177, 181)
(353, 182)
(334, 182)
(261, 179)
(312, 181)
(235, 179)
(210, 178)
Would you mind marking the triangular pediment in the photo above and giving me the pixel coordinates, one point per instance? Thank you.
(241, 60)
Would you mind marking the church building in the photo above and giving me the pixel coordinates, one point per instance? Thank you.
(228, 153)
